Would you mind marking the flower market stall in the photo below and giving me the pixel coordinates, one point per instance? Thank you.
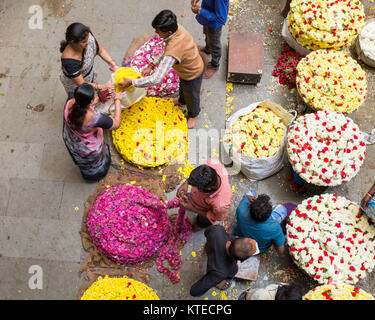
(331, 80)
(341, 291)
(325, 148)
(331, 239)
(325, 24)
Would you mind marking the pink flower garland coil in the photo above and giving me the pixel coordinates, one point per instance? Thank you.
(144, 56)
(130, 225)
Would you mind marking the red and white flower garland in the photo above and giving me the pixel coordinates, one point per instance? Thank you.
(331, 240)
(326, 148)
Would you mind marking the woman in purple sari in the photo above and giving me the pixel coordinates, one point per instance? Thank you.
(83, 132)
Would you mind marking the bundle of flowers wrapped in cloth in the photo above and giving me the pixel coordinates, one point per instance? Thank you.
(119, 289)
(325, 148)
(325, 24)
(153, 132)
(331, 239)
(130, 225)
(341, 291)
(147, 54)
(330, 80)
(257, 134)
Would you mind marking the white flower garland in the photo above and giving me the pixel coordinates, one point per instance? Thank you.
(326, 148)
(331, 240)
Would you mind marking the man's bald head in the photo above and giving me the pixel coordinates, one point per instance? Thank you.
(241, 248)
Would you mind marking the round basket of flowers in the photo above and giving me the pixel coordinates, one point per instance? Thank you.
(153, 132)
(331, 80)
(110, 288)
(325, 148)
(331, 239)
(325, 24)
(340, 291)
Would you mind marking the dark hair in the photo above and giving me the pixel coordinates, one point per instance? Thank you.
(290, 291)
(76, 32)
(239, 249)
(203, 177)
(261, 209)
(165, 21)
(83, 95)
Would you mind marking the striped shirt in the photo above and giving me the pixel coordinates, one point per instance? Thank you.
(165, 65)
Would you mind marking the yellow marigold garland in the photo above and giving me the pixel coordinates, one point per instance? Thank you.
(342, 291)
(119, 289)
(153, 132)
(331, 80)
(121, 74)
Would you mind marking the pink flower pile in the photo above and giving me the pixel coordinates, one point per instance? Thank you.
(130, 225)
(147, 54)
(286, 67)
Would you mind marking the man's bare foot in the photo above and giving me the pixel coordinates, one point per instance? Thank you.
(209, 73)
(223, 285)
(195, 227)
(176, 102)
(191, 122)
(203, 49)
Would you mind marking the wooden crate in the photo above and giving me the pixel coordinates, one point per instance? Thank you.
(245, 57)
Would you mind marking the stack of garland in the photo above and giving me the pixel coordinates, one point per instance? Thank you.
(286, 67)
(130, 225)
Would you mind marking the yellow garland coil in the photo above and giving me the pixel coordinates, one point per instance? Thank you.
(153, 132)
(118, 289)
(121, 74)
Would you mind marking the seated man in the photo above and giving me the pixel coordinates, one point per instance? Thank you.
(210, 196)
(259, 220)
(223, 251)
(274, 291)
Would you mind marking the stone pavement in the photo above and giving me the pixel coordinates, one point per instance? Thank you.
(41, 190)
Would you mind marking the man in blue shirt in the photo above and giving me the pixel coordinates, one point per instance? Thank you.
(212, 15)
(256, 218)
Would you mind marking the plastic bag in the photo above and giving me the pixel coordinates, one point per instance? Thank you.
(259, 168)
(287, 36)
(129, 98)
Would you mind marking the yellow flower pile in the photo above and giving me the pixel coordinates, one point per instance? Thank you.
(121, 74)
(118, 289)
(153, 132)
(325, 24)
(258, 134)
(330, 80)
(340, 291)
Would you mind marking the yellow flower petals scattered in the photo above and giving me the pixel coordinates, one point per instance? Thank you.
(118, 289)
(193, 253)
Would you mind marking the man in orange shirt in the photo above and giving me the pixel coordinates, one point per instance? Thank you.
(210, 196)
(183, 55)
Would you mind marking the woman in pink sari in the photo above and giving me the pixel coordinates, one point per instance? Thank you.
(83, 132)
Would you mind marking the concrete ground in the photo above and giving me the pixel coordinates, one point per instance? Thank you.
(41, 190)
